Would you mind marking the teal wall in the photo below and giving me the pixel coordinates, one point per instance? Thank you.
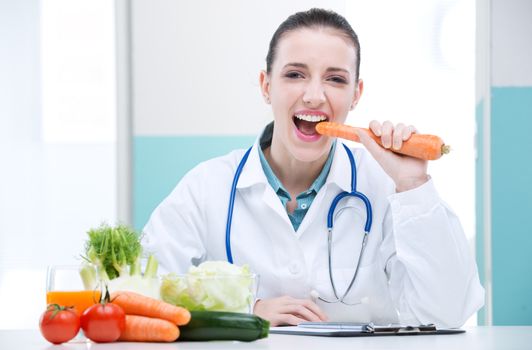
(159, 162)
(511, 161)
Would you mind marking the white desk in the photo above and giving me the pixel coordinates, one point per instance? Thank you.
(481, 338)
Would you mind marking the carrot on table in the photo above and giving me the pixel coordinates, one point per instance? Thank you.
(427, 147)
(148, 329)
(138, 304)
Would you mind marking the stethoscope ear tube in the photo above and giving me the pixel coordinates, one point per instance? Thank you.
(231, 206)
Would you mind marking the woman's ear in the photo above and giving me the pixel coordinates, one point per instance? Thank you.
(358, 93)
(264, 81)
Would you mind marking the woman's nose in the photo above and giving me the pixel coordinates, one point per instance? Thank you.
(314, 94)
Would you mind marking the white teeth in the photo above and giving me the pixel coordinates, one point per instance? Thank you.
(311, 118)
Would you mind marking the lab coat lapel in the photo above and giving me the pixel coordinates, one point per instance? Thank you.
(252, 175)
(339, 179)
(271, 199)
(340, 173)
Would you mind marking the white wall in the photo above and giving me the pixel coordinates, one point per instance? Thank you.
(511, 53)
(196, 63)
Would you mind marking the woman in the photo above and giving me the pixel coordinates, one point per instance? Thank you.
(416, 267)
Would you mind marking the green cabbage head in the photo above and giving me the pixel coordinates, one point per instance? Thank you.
(212, 286)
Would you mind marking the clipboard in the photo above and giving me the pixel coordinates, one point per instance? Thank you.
(348, 329)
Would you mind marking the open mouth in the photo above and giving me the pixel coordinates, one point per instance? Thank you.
(306, 123)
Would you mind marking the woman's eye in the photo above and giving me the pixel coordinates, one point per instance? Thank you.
(339, 80)
(293, 75)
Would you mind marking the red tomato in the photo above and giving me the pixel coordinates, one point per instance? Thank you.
(59, 324)
(103, 322)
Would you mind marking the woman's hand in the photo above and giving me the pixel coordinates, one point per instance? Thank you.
(286, 310)
(407, 172)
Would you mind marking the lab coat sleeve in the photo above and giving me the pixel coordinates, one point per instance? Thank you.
(432, 274)
(173, 233)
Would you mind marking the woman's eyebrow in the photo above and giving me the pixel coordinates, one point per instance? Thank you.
(303, 65)
(296, 64)
(336, 69)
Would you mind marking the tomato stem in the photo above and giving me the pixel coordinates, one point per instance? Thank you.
(105, 297)
(56, 308)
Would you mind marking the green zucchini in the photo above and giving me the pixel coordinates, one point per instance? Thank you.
(219, 325)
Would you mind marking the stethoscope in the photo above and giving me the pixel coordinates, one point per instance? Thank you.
(330, 215)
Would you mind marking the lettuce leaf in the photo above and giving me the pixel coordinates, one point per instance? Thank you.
(212, 286)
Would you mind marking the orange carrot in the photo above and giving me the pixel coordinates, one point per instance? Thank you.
(427, 147)
(148, 329)
(137, 304)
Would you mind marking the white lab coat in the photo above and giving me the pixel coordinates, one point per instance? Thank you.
(417, 267)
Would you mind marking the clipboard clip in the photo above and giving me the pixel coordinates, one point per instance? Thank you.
(401, 330)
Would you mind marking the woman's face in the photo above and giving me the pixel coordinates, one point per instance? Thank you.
(312, 79)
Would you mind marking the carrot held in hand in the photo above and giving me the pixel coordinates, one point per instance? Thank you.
(138, 304)
(147, 329)
(427, 147)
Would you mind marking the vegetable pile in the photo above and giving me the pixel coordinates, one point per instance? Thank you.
(130, 309)
(211, 286)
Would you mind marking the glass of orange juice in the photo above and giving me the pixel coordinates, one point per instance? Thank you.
(64, 286)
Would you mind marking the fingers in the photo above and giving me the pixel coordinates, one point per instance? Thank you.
(392, 136)
(288, 310)
(397, 137)
(303, 308)
(375, 127)
(387, 133)
(373, 147)
(315, 309)
(286, 319)
(300, 311)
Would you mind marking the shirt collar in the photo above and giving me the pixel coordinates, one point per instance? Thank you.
(270, 175)
(265, 140)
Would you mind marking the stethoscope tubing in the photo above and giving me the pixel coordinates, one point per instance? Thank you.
(231, 206)
(330, 224)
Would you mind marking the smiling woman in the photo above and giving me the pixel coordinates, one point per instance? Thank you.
(285, 192)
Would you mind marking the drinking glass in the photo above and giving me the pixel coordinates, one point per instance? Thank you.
(64, 286)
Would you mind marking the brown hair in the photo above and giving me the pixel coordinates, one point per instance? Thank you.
(311, 19)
